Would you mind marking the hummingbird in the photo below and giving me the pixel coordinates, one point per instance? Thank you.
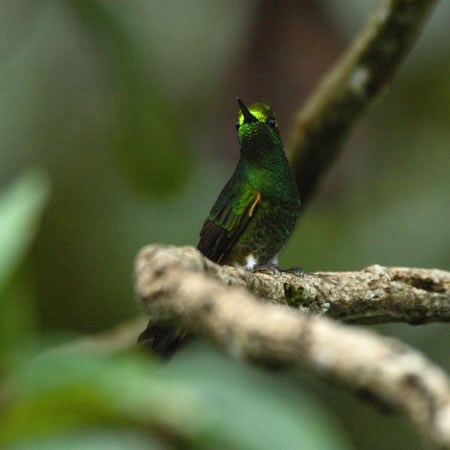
(256, 212)
(253, 217)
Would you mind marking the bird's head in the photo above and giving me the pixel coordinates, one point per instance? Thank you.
(256, 126)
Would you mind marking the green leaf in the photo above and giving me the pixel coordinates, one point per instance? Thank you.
(253, 409)
(21, 206)
(100, 439)
(199, 400)
(63, 391)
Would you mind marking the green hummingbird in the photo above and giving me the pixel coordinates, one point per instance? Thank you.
(253, 217)
(257, 209)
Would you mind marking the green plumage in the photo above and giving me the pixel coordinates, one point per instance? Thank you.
(254, 215)
(257, 210)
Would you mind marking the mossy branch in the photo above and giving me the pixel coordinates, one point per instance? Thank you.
(180, 286)
(345, 93)
(374, 295)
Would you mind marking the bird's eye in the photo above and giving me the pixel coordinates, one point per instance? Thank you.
(272, 123)
(237, 125)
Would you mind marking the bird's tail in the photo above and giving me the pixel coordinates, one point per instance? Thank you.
(163, 340)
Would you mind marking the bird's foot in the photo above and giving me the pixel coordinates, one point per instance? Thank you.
(275, 269)
(266, 268)
(296, 270)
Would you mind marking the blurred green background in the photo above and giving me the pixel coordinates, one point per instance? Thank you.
(117, 130)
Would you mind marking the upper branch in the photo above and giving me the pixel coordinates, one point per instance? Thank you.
(348, 89)
(176, 285)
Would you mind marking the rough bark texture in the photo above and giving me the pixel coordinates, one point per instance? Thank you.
(357, 78)
(374, 295)
(182, 287)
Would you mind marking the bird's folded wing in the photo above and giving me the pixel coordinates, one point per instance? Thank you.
(228, 219)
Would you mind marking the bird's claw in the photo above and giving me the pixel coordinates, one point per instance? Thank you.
(296, 270)
(266, 267)
(275, 269)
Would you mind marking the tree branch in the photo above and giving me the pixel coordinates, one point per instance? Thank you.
(118, 339)
(178, 285)
(374, 295)
(350, 87)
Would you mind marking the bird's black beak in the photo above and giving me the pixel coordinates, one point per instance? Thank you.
(248, 116)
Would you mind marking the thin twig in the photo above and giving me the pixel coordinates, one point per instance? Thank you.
(116, 340)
